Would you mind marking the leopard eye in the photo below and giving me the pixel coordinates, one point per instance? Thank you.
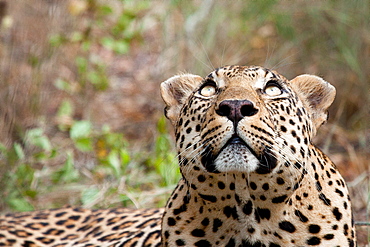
(208, 90)
(273, 89)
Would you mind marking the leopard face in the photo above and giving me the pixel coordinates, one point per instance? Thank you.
(246, 119)
(244, 144)
(243, 114)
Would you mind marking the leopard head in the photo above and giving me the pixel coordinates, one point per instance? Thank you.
(245, 119)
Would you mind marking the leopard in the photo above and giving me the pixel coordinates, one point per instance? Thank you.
(250, 173)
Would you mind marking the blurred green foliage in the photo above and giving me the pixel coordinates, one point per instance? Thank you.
(28, 177)
(30, 170)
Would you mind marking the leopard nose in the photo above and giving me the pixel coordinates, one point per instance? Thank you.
(235, 110)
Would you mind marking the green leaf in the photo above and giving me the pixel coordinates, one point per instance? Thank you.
(125, 157)
(19, 151)
(68, 173)
(121, 47)
(107, 42)
(105, 10)
(85, 45)
(118, 46)
(114, 162)
(65, 108)
(24, 174)
(20, 204)
(94, 77)
(81, 63)
(31, 193)
(84, 144)
(57, 40)
(63, 85)
(80, 133)
(77, 36)
(90, 195)
(161, 125)
(81, 129)
(37, 138)
(125, 200)
(3, 150)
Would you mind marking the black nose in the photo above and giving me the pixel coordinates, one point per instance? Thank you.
(235, 110)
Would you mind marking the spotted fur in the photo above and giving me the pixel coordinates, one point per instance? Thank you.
(82, 227)
(250, 174)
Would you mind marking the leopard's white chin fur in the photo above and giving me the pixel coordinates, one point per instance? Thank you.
(236, 157)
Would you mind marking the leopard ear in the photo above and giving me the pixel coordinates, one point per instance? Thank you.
(175, 91)
(317, 94)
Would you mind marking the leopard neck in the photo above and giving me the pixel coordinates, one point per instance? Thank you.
(237, 187)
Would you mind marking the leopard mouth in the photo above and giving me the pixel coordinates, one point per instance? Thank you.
(236, 140)
(237, 155)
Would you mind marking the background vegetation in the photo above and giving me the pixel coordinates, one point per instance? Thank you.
(80, 112)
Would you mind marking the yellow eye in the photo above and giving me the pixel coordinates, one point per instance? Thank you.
(273, 90)
(208, 91)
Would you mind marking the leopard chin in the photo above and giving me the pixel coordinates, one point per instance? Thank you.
(236, 156)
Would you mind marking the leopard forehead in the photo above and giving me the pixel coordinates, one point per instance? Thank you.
(256, 74)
